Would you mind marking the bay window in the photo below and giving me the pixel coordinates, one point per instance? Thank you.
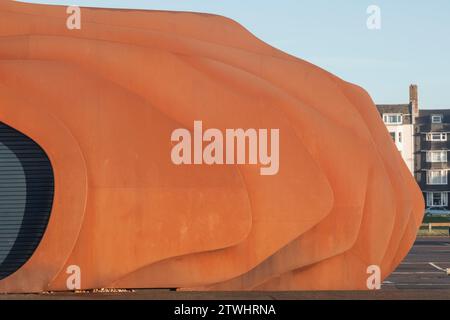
(437, 199)
(437, 177)
(436, 156)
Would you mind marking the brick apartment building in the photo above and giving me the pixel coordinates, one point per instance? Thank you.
(422, 137)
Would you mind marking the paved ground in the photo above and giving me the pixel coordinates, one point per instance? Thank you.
(421, 275)
(424, 267)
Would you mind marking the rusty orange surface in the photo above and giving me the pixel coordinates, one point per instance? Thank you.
(103, 101)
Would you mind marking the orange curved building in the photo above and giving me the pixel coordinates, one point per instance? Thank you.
(87, 178)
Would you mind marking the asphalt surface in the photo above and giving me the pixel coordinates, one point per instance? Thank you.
(422, 275)
(424, 268)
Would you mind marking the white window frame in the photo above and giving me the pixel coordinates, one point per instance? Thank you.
(437, 136)
(437, 156)
(387, 117)
(436, 118)
(430, 199)
(434, 181)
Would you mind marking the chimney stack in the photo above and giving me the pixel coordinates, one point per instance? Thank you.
(414, 100)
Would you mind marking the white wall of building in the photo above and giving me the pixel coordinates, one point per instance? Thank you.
(404, 140)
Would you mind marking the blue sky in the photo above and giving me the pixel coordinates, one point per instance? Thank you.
(412, 45)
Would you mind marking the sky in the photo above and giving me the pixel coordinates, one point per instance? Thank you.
(412, 45)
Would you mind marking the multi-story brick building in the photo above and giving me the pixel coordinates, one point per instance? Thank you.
(431, 161)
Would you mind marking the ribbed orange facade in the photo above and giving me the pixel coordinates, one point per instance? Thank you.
(103, 101)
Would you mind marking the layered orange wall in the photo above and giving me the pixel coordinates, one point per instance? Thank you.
(103, 101)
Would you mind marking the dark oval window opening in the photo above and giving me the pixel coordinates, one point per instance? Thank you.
(26, 198)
